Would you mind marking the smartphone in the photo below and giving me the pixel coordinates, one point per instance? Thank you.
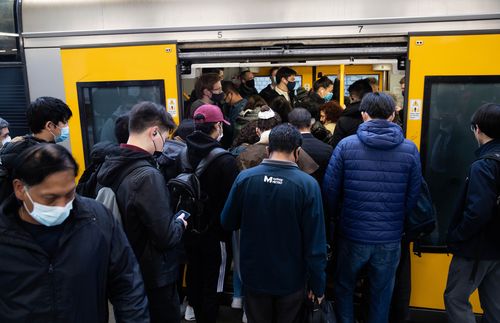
(186, 214)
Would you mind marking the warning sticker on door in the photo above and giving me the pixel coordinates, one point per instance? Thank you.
(415, 109)
(172, 106)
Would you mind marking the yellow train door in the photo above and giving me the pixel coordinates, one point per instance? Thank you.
(103, 83)
(450, 76)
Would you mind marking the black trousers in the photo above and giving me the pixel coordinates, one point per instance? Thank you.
(400, 303)
(262, 308)
(164, 306)
(205, 275)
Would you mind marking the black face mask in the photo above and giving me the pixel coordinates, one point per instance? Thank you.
(218, 98)
(250, 83)
(290, 86)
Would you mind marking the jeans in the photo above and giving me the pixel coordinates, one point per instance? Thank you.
(237, 286)
(460, 287)
(381, 261)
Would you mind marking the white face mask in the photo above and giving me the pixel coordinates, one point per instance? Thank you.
(48, 215)
(6, 140)
(221, 134)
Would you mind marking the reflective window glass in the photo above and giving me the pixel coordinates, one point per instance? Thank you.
(448, 145)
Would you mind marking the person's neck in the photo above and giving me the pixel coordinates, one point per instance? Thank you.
(45, 136)
(282, 156)
(483, 141)
(140, 142)
(282, 87)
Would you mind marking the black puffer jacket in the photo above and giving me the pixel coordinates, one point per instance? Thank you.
(144, 202)
(474, 231)
(94, 262)
(216, 181)
(348, 124)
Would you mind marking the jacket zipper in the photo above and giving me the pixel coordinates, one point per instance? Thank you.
(53, 289)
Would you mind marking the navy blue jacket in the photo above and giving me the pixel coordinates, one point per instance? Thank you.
(94, 263)
(474, 231)
(279, 211)
(374, 179)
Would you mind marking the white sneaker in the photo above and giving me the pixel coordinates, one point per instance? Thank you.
(189, 316)
(237, 302)
(244, 319)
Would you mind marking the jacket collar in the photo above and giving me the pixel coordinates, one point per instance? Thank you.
(273, 162)
(490, 147)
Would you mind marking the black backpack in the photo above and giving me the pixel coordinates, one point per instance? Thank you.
(422, 219)
(8, 155)
(185, 189)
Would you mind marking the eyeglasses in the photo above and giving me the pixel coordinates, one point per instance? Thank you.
(473, 127)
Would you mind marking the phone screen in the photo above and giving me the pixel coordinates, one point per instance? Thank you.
(186, 214)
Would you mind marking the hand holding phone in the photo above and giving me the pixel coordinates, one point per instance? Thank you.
(183, 215)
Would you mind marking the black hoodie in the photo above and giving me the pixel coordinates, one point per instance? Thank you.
(348, 123)
(216, 181)
(147, 216)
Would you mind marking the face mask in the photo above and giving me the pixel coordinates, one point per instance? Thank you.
(290, 86)
(63, 136)
(328, 97)
(49, 215)
(217, 98)
(221, 134)
(250, 83)
(6, 140)
(160, 150)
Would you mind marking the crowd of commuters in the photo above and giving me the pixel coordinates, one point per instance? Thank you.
(275, 172)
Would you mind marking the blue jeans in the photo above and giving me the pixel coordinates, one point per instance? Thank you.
(381, 261)
(237, 286)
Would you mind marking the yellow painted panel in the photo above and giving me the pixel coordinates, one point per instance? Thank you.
(442, 56)
(125, 63)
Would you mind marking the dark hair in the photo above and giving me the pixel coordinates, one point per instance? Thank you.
(311, 104)
(268, 124)
(228, 86)
(243, 73)
(185, 128)
(205, 82)
(45, 109)
(378, 105)
(402, 80)
(206, 127)
(281, 106)
(38, 162)
(254, 101)
(360, 88)
(121, 128)
(322, 82)
(148, 114)
(284, 72)
(285, 138)
(300, 118)
(487, 118)
(372, 80)
(247, 134)
(332, 110)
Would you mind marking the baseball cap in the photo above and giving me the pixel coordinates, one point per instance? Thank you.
(209, 113)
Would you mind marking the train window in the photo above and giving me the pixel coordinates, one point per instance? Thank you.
(101, 103)
(262, 81)
(8, 39)
(447, 144)
(351, 78)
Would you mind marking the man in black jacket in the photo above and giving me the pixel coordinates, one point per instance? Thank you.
(206, 249)
(63, 255)
(350, 119)
(144, 202)
(473, 235)
(318, 150)
(285, 86)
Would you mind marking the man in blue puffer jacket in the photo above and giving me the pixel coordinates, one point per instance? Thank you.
(371, 183)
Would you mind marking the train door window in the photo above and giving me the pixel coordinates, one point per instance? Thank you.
(447, 145)
(351, 78)
(262, 81)
(101, 103)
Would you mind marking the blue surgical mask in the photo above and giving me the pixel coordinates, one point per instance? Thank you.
(48, 215)
(328, 97)
(63, 136)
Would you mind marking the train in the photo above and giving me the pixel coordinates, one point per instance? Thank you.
(99, 56)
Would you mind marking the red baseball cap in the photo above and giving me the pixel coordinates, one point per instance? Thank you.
(209, 113)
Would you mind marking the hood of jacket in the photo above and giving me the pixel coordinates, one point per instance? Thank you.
(380, 134)
(490, 148)
(199, 145)
(113, 166)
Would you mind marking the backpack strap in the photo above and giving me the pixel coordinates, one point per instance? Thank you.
(205, 162)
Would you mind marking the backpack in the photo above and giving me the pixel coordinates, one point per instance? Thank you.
(8, 156)
(185, 189)
(107, 195)
(422, 219)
